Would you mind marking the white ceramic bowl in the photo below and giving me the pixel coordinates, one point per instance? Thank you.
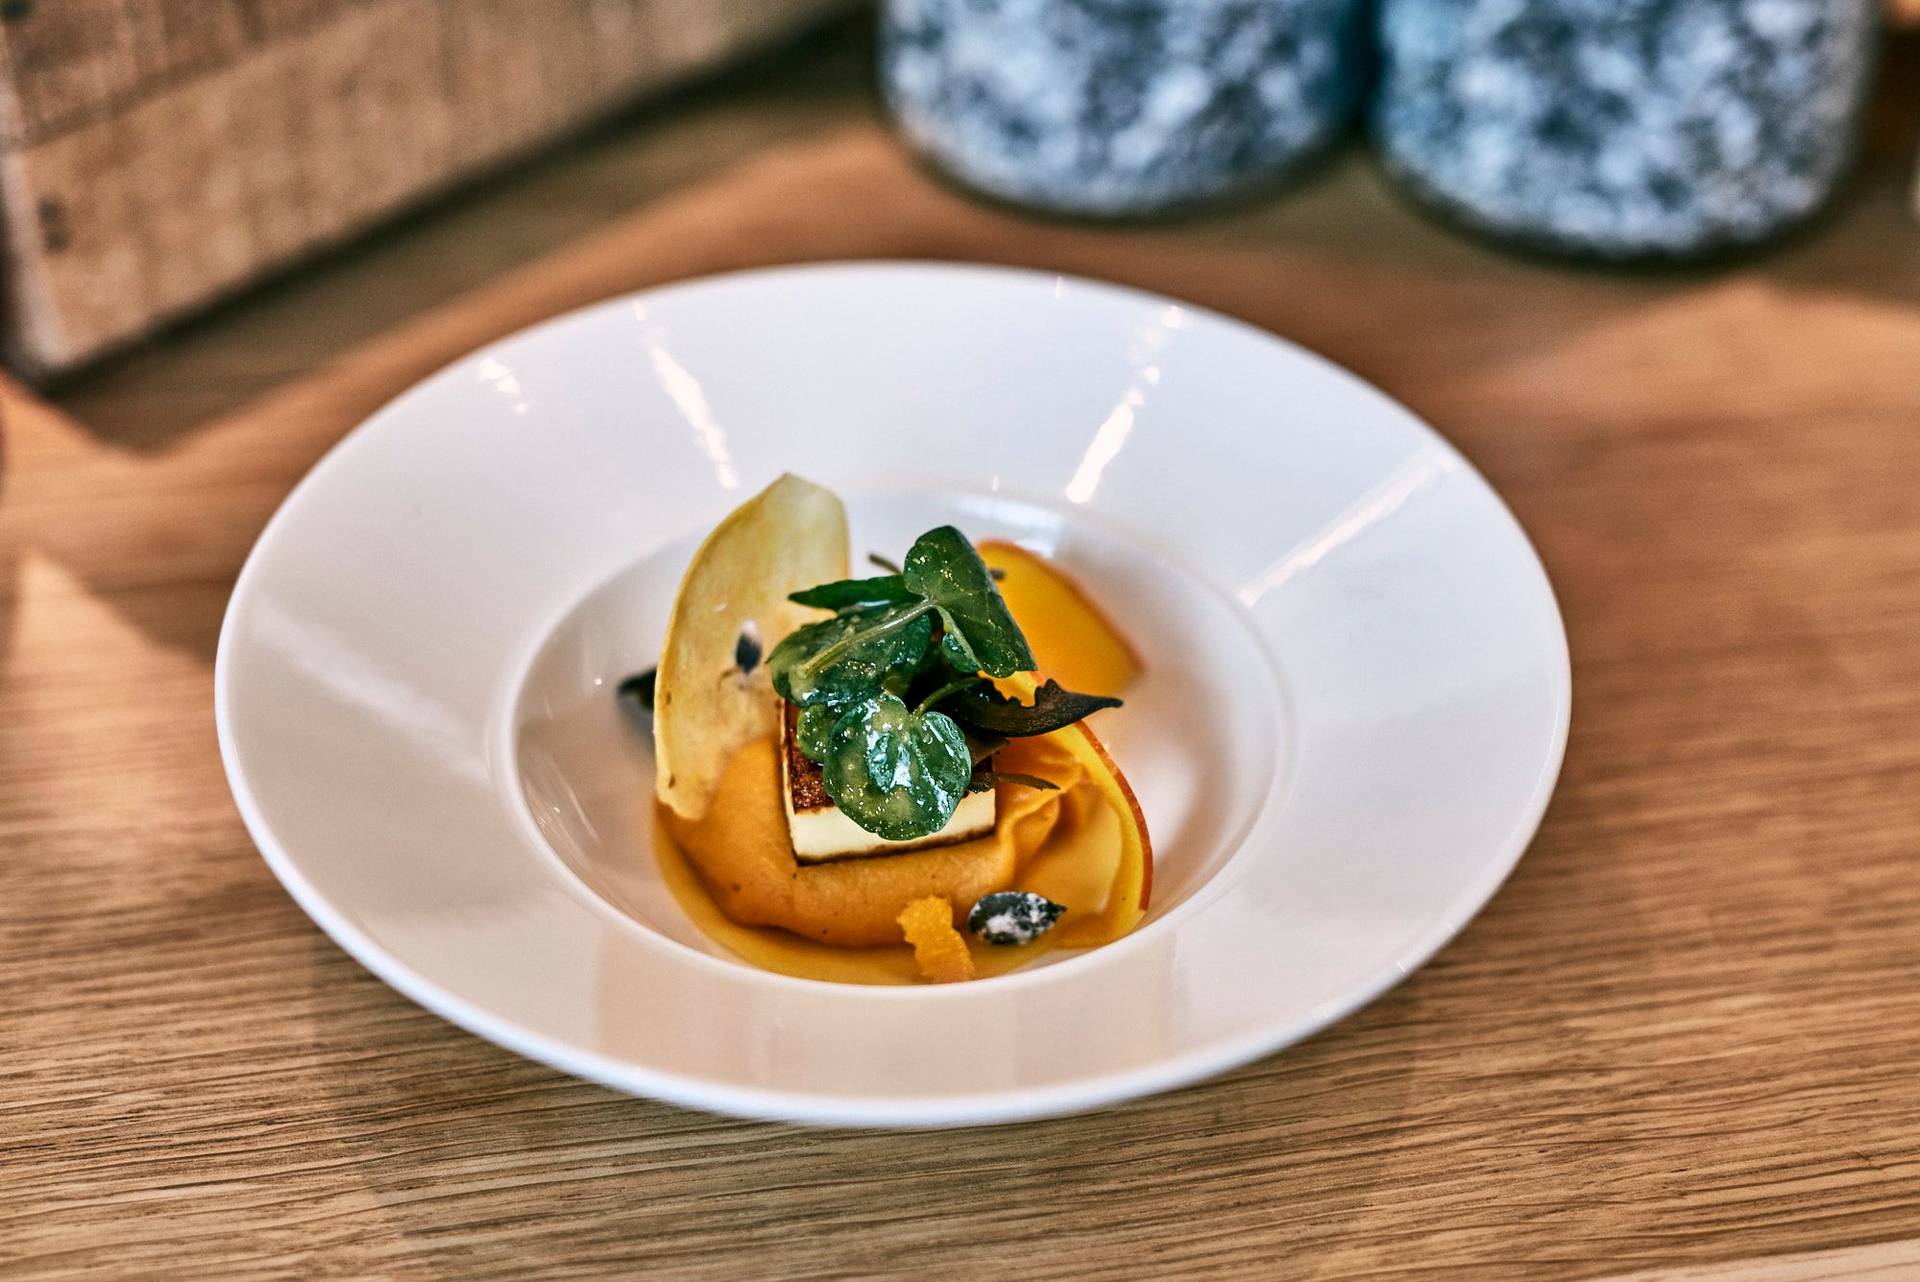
(1355, 704)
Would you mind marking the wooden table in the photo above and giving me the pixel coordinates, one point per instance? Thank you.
(1681, 1043)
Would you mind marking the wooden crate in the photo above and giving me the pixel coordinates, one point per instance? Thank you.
(156, 154)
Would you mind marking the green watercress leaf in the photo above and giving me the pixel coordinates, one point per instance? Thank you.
(812, 728)
(945, 569)
(897, 773)
(845, 659)
(887, 589)
(984, 710)
(953, 647)
(801, 644)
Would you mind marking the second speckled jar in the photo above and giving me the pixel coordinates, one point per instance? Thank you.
(1120, 107)
(1623, 129)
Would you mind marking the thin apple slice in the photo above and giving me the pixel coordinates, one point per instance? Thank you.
(1073, 641)
(1132, 889)
(707, 705)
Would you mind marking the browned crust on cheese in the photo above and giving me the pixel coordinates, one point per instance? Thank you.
(804, 779)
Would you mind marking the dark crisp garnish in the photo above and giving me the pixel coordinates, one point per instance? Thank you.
(1013, 916)
(638, 689)
(746, 648)
(983, 709)
(985, 779)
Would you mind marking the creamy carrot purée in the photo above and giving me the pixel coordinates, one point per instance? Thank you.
(910, 725)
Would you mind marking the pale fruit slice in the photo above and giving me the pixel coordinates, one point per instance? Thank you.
(790, 536)
(1132, 888)
(1073, 642)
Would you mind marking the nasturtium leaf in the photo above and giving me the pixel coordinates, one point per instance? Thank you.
(945, 569)
(801, 644)
(887, 589)
(897, 773)
(984, 779)
(812, 727)
(842, 660)
(953, 647)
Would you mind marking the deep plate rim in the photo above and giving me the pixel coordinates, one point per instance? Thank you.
(984, 1106)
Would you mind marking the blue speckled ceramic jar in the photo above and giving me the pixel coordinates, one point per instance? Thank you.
(1120, 107)
(1624, 128)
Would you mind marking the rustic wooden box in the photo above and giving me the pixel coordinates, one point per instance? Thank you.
(155, 154)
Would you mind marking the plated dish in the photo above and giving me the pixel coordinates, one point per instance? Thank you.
(1345, 699)
(865, 779)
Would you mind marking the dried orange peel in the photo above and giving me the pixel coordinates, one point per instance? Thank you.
(938, 949)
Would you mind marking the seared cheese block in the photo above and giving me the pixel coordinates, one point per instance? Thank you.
(820, 831)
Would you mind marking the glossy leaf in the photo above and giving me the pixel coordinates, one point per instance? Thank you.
(953, 647)
(897, 773)
(886, 589)
(845, 659)
(945, 569)
(812, 729)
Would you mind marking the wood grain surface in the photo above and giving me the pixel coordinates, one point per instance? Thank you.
(1680, 1044)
